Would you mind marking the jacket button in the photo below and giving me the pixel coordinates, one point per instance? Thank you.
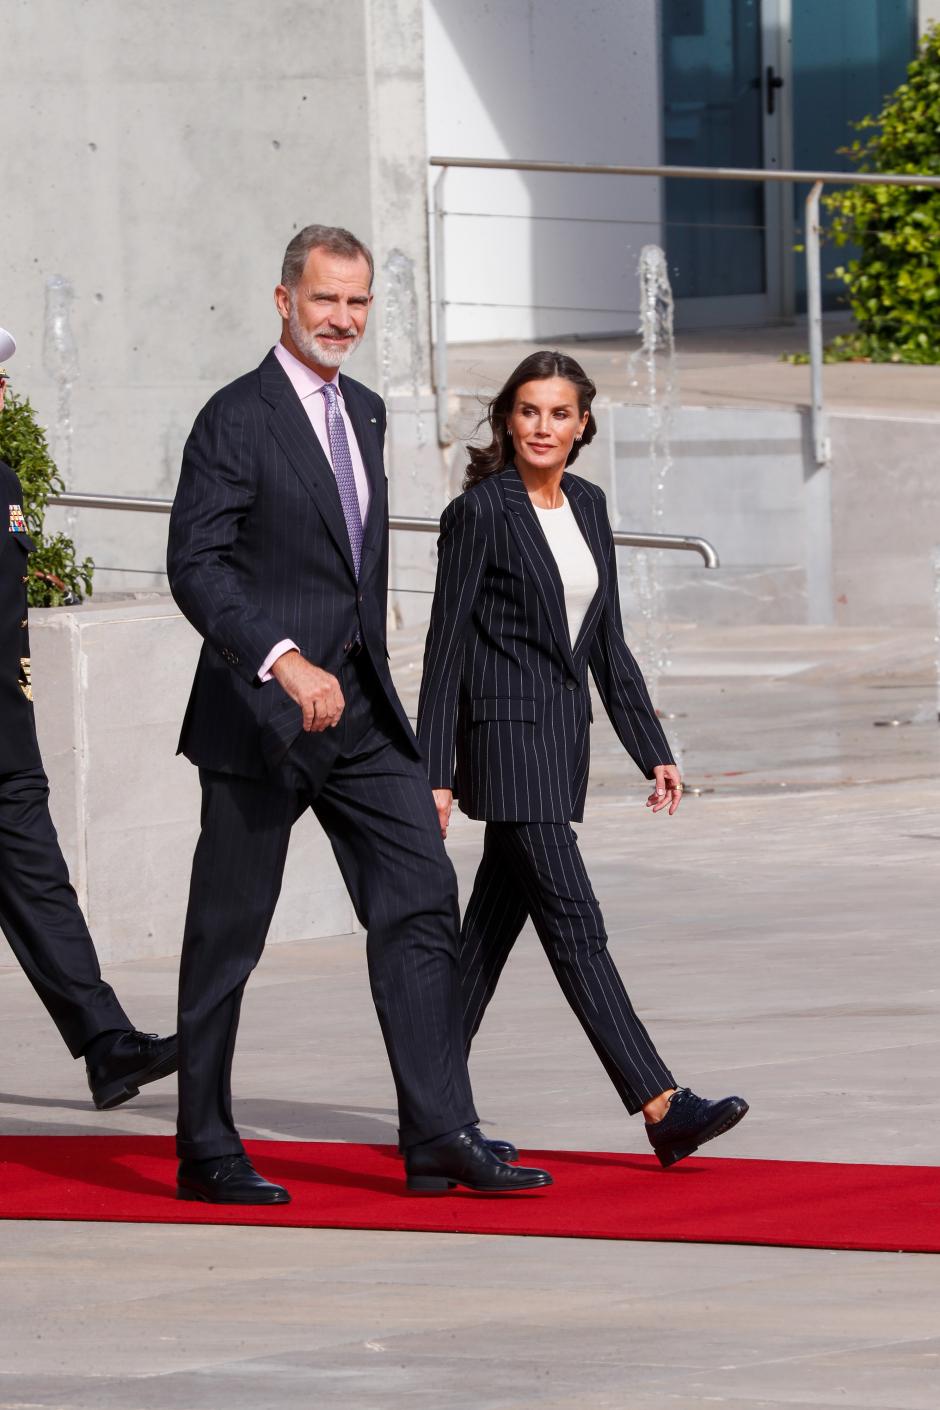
(571, 684)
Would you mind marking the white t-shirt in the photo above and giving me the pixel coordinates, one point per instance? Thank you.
(576, 566)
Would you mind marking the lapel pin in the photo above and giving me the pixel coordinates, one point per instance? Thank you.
(373, 420)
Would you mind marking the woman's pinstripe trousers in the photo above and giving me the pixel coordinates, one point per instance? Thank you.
(536, 869)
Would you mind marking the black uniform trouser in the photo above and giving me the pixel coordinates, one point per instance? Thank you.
(536, 869)
(41, 917)
(378, 813)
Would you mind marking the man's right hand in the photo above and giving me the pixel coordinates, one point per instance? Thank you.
(316, 692)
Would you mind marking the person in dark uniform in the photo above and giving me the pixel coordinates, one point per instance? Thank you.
(39, 911)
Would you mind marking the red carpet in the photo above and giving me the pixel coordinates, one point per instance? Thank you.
(595, 1196)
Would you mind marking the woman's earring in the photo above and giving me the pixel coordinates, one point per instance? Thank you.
(509, 432)
(577, 438)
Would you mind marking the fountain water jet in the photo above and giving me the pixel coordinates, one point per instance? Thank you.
(413, 460)
(60, 360)
(401, 345)
(653, 374)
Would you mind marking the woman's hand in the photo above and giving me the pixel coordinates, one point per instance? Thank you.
(667, 789)
(443, 802)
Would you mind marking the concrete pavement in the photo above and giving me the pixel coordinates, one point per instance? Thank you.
(724, 367)
(779, 937)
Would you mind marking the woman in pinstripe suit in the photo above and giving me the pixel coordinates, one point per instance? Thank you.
(526, 602)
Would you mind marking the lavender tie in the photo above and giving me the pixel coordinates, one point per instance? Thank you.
(343, 470)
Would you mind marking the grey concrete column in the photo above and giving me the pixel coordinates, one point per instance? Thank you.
(164, 156)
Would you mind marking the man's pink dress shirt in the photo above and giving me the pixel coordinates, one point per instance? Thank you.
(307, 383)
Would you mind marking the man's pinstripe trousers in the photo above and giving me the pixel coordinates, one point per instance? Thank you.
(536, 869)
(377, 811)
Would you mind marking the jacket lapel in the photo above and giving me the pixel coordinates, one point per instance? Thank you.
(290, 426)
(538, 558)
(370, 450)
(587, 512)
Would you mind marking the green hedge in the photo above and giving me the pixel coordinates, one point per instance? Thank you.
(23, 446)
(894, 284)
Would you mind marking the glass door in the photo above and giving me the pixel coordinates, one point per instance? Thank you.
(723, 91)
(847, 56)
(762, 84)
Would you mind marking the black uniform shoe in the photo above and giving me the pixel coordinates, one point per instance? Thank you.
(230, 1179)
(466, 1159)
(689, 1122)
(132, 1060)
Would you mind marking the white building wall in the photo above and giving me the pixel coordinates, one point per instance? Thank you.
(928, 12)
(547, 81)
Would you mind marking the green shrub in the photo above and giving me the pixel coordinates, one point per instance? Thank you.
(23, 446)
(894, 284)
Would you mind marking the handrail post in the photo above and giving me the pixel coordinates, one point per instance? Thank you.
(814, 325)
(444, 436)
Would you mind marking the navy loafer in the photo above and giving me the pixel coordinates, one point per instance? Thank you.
(689, 1122)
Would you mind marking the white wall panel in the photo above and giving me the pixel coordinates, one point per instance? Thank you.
(549, 82)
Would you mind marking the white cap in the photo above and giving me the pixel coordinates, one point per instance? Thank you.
(7, 345)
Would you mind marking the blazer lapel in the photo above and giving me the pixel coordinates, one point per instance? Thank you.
(369, 449)
(291, 428)
(586, 511)
(538, 558)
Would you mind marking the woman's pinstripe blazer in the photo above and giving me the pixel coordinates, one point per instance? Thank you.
(503, 692)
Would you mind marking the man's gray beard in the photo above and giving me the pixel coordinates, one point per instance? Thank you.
(307, 342)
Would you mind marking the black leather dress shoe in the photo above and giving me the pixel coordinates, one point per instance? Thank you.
(132, 1060)
(231, 1179)
(503, 1150)
(689, 1122)
(466, 1159)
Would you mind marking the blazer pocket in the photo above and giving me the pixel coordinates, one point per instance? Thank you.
(502, 708)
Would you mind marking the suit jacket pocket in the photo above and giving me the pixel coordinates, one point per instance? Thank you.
(502, 708)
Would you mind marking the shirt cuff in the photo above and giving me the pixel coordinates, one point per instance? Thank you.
(276, 652)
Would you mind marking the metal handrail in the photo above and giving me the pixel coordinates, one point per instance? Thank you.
(689, 543)
(694, 173)
(819, 179)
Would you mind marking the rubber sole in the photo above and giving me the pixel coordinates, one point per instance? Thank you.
(441, 1184)
(671, 1155)
(183, 1192)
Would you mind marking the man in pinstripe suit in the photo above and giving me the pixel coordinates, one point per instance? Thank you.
(278, 555)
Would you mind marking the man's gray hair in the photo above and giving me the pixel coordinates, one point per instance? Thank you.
(332, 238)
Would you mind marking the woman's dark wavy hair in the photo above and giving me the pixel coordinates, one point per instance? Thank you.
(537, 367)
